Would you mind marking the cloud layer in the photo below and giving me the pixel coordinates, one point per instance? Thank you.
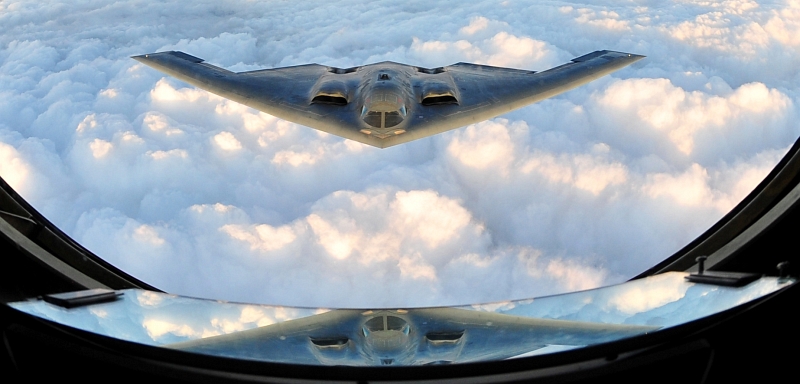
(202, 196)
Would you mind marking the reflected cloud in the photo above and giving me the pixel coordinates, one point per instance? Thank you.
(500, 330)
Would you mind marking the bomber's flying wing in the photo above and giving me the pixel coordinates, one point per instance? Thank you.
(427, 100)
(420, 336)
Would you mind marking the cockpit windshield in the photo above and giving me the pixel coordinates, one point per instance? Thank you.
(199, 195)
(203, 196)
(394, 323)
(375, 324)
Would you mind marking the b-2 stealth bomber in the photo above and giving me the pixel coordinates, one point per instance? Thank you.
(417, 336)
(387, 103)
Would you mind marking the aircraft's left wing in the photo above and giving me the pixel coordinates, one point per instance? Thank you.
(319, 339)
(282, 92)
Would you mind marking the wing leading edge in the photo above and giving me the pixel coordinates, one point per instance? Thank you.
(425, 101)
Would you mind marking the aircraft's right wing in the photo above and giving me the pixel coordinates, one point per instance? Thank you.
(484, 92)
(460, 336)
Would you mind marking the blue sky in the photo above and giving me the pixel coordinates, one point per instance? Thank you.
(202, 196)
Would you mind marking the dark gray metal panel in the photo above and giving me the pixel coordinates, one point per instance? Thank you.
(44, 258)
(48, 247)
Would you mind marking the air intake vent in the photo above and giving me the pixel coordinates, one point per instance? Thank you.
(342, 71)
(329, 100)
(438, 92)
(439, 100)
(330, 342)
(430, 71)
(444, 337)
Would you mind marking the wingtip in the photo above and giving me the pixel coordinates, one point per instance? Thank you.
(141, 58)
(634, 57)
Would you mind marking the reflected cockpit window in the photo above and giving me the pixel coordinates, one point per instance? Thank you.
(394, 323)
(374, 324)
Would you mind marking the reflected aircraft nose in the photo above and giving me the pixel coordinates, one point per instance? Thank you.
(387, 335)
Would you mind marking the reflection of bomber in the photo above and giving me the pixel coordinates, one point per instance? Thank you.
(387, 103)
(406, 337)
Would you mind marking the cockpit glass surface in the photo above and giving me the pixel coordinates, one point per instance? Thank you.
(394, 323)
(405, 336)
(374, 324)
(198, 195)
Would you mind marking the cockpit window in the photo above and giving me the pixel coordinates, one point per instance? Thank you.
(374, 324)
(374, 119)
(394, 323)
(201, 196)
(392, 119)
(383, 119)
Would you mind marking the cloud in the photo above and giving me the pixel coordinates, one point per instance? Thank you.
(657, 109)
(227, 142)
(203, 196)
(484, 146)
(502, 49)
(261, 237)
(586, 172)
(608, 20)
(13, 168)
(476, 24)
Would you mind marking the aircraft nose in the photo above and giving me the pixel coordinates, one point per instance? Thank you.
(387, 333)
(383, 110)
(389, 344)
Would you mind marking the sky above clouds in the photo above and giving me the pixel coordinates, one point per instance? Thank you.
(202, 196)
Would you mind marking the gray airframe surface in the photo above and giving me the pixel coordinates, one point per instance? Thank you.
(406, 337)
(387, 103)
